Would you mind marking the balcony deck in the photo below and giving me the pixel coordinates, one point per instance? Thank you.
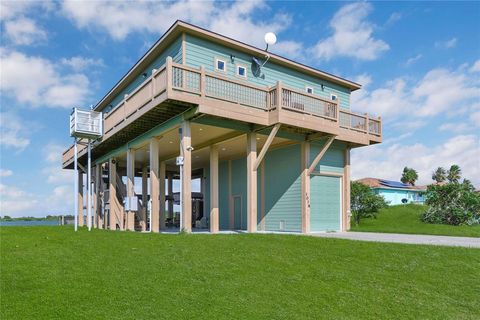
(175, 88)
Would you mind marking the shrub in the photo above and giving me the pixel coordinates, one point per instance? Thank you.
(364, 202)
(453, 203)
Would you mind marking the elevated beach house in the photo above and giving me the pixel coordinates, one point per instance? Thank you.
(264, 140)
(395, 192)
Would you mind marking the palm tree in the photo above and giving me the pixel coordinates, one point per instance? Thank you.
(454, 174)
(439, 175)
(468, 184)
(409, 176)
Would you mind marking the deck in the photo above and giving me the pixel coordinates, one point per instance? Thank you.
(175, 88)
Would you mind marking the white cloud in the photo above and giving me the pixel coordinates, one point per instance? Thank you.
(414, 59)
(5, 173)
(35, 81)
(80, 63)
(439, 91)
(13, 132)
(454, 127)
(389, 161)
(53, 152)
(475, 67)
(120, 19)
(24, 31)
(289, 49)
(352, 35)
(394, 17)
(447, 44)
(10, 9)
(15, 201)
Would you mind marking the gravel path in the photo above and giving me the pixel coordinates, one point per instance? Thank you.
(404, 238)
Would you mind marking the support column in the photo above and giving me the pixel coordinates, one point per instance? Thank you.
(114, 216)
(100, 188)
(305, 158)
(214, 218)
(186, 185)
(143, 214)
(130, 221)
(346, 188)
(251, 182)
(80, 199)
(162, 195)
(154, 187)
(96, 196)
(170, 197)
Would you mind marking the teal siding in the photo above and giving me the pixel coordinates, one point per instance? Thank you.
(332, 160)
(325, 203)
(206, 193)
(239, 188)
(223, 195)
(174, 51)
(200, 52)
(395, 196)
(283, 189)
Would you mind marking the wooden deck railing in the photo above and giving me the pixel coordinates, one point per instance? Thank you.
(198, 82)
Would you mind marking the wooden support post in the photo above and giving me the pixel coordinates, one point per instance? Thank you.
(305, 158)
(80, 199)
(170, 197)
(267, 144)
(214, 215)
(114, 218)
(162, 195)
(186, 153)
(154, 187)
(169, 75)
(320, 154)
(346, 188)
(96, 208)
(130, 221)
(251, 182)
(143, 214)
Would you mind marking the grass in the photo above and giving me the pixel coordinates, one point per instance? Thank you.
(54, 273)
(406, 219)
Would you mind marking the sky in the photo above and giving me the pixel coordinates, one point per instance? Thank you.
(418, 63)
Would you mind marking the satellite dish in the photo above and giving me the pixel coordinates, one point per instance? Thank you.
(256, 62)
(270, 38)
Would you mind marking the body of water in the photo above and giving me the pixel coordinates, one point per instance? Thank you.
(17, 223)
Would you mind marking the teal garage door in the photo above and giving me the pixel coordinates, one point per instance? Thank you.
(325, 203)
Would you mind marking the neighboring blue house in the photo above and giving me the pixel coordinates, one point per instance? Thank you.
(396, 192)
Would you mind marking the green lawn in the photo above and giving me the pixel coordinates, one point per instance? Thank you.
(53, 273)
(406, 219)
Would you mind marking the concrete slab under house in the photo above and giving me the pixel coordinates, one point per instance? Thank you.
(268, 142)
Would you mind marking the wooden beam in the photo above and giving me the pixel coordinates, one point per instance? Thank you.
(154, 185)
(143, 214)
(80, 199)
(114, 214)
(251, 182)
(186, 153)
(162, 195)
(346, 190)
(130, 221)
(214, 214)
(320, 154)
(267, 144)
(305, 158)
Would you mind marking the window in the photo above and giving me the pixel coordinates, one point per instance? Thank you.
(220, 65)
(333, 97)
(309, 90)
(241, 71)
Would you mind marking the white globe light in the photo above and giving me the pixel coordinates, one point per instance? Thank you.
(270, 38)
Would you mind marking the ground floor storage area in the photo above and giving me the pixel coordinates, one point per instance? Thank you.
(325, 203)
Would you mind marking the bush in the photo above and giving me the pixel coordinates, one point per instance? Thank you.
(364, 202)
(453, 203)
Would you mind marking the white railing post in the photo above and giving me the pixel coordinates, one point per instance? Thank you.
(203, 82)
(279, 95)
(169, 71)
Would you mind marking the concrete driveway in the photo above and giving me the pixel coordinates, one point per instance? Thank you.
(404, 238)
